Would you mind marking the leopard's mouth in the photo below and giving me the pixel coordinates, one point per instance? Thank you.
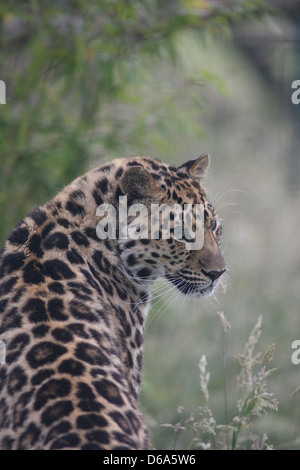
(190, 288)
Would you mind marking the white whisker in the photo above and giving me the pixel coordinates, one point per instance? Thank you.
(226, 192)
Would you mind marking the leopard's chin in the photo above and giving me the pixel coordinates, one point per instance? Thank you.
(190, 289)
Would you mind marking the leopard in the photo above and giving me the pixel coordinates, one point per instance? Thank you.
(73, 306)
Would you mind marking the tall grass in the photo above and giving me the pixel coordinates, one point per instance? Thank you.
(253, 400)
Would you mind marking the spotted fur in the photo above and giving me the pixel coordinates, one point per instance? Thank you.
(73, 307)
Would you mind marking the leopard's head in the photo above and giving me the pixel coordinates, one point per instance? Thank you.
(192, 261)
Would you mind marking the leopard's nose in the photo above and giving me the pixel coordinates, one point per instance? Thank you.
(213, 275)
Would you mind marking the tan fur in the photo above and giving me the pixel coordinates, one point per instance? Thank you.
(73, 308)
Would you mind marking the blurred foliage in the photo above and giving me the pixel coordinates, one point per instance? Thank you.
(82, 86)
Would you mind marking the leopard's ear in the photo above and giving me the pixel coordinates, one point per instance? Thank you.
(197, 168)
(138, 182)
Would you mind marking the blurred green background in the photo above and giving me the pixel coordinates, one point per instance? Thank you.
(90, 82)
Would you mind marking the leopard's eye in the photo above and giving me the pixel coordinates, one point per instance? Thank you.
(213, 225)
